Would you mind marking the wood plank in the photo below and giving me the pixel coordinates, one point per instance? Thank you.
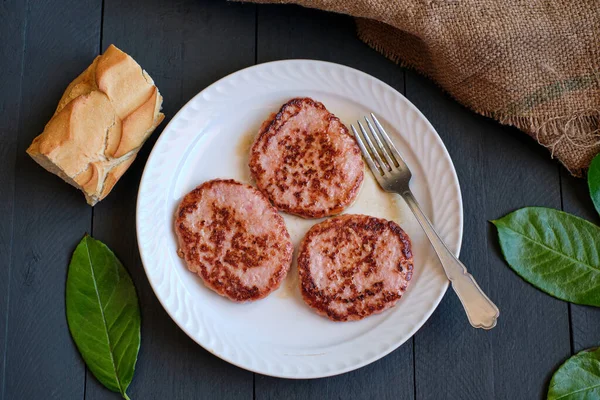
(585, 321)
(294, 32)
(50, 216)
(12, 25)
(500, 170)
(388, 378)
(288, 32)
(184, 46)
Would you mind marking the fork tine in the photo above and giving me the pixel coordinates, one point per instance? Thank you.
(389, 160)
(364, 151)
(374, 152)
(389, 143)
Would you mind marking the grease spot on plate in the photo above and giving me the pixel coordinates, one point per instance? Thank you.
(242, 151)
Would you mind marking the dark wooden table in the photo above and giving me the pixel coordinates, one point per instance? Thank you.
(185, 45)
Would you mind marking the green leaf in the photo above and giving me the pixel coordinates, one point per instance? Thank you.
(554, 251)
(578, 378)
(594, 182)
(103, 314)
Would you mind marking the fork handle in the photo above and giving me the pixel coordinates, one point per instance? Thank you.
(482, 313)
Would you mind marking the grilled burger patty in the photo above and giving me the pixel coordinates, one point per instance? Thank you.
(234, 239)
(353, 266)
(305, 161)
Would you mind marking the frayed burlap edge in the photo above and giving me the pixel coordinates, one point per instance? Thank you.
(574, 138)
(562, 135)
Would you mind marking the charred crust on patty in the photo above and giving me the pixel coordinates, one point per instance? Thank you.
(310, 166)
(218, 245)
(345, 302)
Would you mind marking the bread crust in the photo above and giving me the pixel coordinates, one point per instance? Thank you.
(101, 121)
(353, 266)
(305, 161)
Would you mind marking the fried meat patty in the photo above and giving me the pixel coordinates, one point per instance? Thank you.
(305, 161)
(234, 239)
(352, 266)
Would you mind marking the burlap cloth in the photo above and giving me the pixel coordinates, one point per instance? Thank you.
(533, 64)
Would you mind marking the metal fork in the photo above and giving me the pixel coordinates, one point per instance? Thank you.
(394, 176)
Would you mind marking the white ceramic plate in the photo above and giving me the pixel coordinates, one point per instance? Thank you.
(210, 138)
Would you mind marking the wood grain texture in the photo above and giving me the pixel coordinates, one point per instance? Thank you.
(390, 378)
(500, 170)
(292, 32)
(585, 321)
(184, 46)
(13, 22)
(50, 217)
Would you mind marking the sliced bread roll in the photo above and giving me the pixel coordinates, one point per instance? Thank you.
(103, 118)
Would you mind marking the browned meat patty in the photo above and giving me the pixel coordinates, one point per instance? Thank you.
(305, 161)
(234, 239)
(353, 266)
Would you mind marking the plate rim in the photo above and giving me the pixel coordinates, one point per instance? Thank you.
(436, 137)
